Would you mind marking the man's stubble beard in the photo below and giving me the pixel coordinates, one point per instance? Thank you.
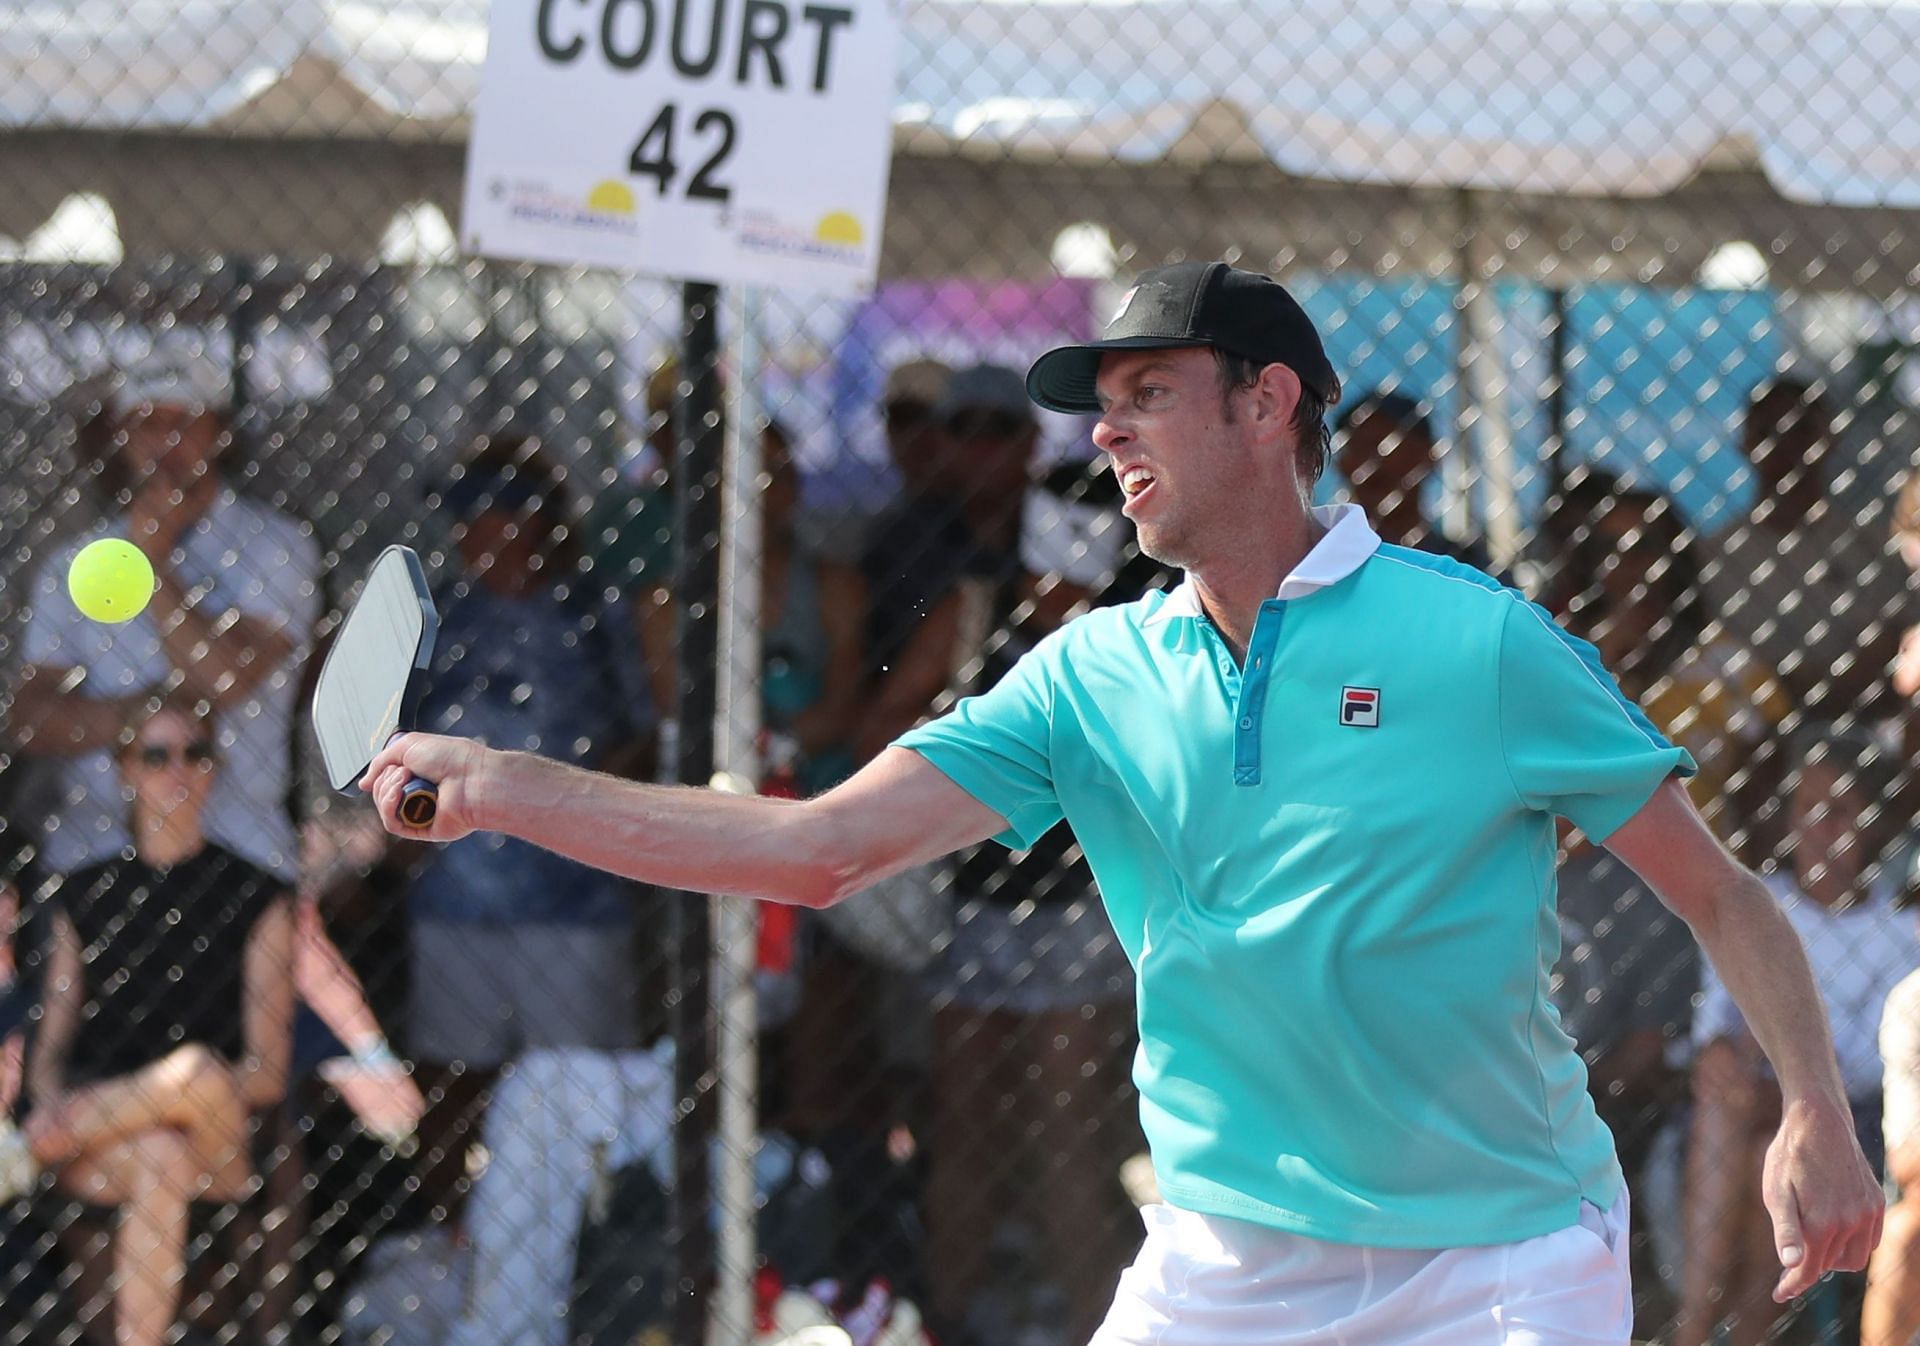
(1171, 546)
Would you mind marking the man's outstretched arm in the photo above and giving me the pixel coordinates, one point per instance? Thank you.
(895, 812)
(1825, 1201)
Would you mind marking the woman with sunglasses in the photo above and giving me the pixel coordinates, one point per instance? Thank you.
(168, 1011)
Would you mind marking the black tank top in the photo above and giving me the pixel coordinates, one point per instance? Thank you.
(163, 954)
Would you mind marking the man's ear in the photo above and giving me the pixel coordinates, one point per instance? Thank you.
(1277, 394)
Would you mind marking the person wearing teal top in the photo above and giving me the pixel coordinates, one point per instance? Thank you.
(1289, 845)
(1317, 785)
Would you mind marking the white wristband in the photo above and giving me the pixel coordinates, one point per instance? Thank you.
(376, 1055)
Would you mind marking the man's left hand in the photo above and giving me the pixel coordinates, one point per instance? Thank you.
(1826, 1204)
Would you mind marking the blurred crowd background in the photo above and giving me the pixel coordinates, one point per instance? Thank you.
(1623, 300)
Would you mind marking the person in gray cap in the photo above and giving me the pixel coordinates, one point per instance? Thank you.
(932, 572)
(908, 406)
(961, 525)
(1318, 785)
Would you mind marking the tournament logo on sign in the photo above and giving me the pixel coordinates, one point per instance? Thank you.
(1360, 707)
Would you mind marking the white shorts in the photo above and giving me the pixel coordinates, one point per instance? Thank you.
(1203, 1280)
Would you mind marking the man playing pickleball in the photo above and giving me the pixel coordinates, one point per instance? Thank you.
(1317, 784)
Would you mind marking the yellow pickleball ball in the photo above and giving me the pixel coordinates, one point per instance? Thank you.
(110, 580)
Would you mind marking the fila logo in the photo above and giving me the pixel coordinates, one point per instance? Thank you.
(1360, 707)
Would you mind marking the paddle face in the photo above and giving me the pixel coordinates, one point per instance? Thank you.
(372, 675)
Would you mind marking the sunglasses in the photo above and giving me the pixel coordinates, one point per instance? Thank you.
(986, 425)
(907, 413)
(156, 755)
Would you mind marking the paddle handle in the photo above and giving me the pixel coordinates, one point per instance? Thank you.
(419, 801)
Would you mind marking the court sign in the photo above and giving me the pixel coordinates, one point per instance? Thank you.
(716, 140)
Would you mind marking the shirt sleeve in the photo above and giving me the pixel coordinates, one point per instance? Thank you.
(1574, 745)
(998, 746)
(1900, 1059)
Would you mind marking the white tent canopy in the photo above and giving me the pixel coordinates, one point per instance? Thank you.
(1594, 99)
(302, 126)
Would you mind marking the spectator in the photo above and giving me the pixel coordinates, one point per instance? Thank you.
(1815, 592)
(812, 629)
(856, 1043)
(954, 535)
(1387, 454)
(1891, 1315)
(229, 623)
(564, 1122)
(21, 959)
(913, 389)
(345, 1181)
(373, 1081)
(344, 855)
(1578, 497)
(1905, 681)
(1642, 970)
(25, 1272)
(167, 1025)
(629, 529)
(1839, 899)
(1906, 522)
(1032, 1109)
(1637, 596)
(512, 946)
(910, 406)
(1631, 587)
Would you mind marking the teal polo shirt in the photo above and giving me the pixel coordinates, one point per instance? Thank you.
(1332, 867)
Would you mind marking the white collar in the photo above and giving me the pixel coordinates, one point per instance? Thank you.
(1343, 549)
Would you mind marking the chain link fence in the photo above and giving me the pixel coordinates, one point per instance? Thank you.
(1623, 301)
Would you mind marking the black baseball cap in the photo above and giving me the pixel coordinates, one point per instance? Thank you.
(1191, 304)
